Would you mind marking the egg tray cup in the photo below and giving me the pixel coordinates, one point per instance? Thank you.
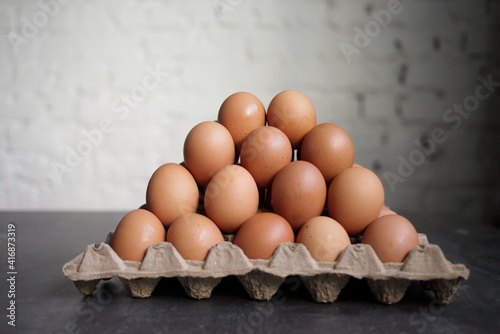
(262, 278)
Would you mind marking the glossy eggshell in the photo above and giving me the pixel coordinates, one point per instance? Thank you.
(264, 152)
(293, 113)
(355, 197)
(324, 238)
(298, 193)
(260, 235)
(171, 192)
(207, 149)
(193, 235)
(240, 113)
(135, 232)
(231, 197)
(392, 237)
(328, 147)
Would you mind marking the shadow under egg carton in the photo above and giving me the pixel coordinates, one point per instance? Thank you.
(262, 278)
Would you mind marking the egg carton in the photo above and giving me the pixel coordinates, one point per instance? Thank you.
(262, 278)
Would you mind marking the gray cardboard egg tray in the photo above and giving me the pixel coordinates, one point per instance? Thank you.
(262, 278)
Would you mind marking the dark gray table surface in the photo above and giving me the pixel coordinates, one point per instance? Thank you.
(47, 302)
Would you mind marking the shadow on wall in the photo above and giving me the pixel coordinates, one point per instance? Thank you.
(452, 164)
(489, 138)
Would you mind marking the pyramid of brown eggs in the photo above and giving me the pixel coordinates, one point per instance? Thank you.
(269, 178)
(263, 181)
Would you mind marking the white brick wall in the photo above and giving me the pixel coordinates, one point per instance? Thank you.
(71, 74)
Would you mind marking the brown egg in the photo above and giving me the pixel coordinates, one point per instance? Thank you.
(324, 238)
(207, 149)
(137, 230)
(240, 113)
(386, 211)
(298, 193)
(231, 198)
(264, 152)
(293, 113)
(260, 235)
(193, 235)
(328, 147)
(355, 197)
(171, 192)
(357, 165)
(392, 237)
